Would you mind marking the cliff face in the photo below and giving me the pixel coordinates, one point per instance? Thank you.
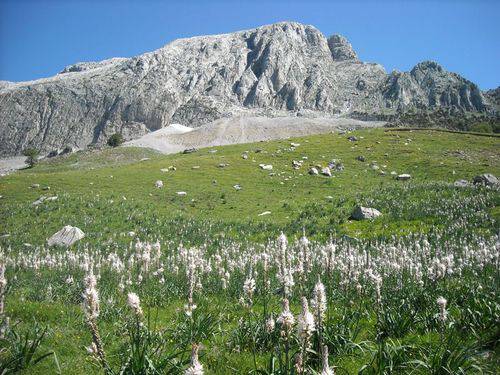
(284, 68)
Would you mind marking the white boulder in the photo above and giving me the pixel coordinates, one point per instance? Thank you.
(365, 213)
(67, 236)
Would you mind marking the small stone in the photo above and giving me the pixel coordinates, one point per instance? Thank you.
(403, 177)
(295, 144)
(181, 193)
(313, 171)
(144, 159)
(244, 156)
(266, 167)
(352, 138)
(361, 158)
(195, 167)
(326, 172)
(35, 186)
(223, 165)
(237, 187)
(265, 213)
(461, 183)
(189, 150)
(159, 184)
(46, 188)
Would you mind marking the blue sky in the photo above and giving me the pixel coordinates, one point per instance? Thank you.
(38, 38)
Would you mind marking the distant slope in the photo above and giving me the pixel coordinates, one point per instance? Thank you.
(244, 130)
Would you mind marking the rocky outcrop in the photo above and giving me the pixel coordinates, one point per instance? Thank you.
(281, 69)
(341, 49)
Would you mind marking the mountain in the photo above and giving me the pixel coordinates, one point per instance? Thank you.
(284, 69)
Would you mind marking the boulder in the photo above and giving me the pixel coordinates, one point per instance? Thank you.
(189, 150)
(352, 138)
(159, 184)
(67, 236)
(486, 179)
(365, 213)
(361, 158)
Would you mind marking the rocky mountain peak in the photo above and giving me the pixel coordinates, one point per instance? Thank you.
(283, 69)
(341, 49)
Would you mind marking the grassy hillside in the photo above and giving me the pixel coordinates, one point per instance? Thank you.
(111, 193)
(102, 197)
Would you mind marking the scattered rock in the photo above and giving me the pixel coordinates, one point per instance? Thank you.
(295, 144)
(189, 150)
(144, 159)
(195, 167)
(159, 184)
(326, 172)
(352, 138)
(296, 164)
(335, 164)
(212, 151)
(361, 158)
(52, 154)
(403, 177)
(461, 183)
(67, 236)
(486, 179)
(181, 193)
(313, 171)
(35, 186)
(46, 188)
(364, 213)
(265, 213)
(223, 165)
(266, 167)
(244, 156)
(237, 187)
(164, 170)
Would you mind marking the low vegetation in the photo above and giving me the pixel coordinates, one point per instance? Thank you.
(257, 270)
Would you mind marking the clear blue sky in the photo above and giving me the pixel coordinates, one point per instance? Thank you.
(38, 38)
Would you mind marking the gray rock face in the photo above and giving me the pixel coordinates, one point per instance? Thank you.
(365, 213)
(341, 48)
(281, 69)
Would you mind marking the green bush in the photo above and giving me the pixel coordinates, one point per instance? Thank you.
(31, 155)
(115, 140)
(481, 127)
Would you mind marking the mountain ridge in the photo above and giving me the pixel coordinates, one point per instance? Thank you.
(282, 69)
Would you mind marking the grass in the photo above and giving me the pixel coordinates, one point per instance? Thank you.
(111, 193)
(103, 198)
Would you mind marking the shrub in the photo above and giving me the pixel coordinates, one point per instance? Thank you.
(481, 127)
(115, 140)
(31, 155)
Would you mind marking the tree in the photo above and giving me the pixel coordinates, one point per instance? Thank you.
(31, 156)
(115, 140)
